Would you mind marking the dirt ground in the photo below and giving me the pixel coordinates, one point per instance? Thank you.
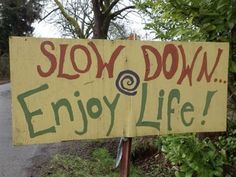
(4, 81)
(83, 149)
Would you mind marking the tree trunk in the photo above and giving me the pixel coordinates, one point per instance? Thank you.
(103, 15)
(101, 25)
(98, 33)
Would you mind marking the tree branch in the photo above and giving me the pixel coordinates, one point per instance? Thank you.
(107, 3)
(89, 31)
(110, 7)
(113, 15)
(70, 19)
(102, 5)
(49, 14)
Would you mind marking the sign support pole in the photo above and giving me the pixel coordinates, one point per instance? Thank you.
(125, 159)
(126, 144)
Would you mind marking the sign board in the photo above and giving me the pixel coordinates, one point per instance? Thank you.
(69, 89)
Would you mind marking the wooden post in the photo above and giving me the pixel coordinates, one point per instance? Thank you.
(125, 159)
(126, 145)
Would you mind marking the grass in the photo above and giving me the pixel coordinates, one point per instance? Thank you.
(97, 161)
(101, 164)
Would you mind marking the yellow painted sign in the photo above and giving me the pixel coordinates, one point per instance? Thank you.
(68, 89)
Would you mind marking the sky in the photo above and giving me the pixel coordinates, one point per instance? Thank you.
(45, 29)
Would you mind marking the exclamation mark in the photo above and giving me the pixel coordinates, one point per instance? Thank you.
(210, 94)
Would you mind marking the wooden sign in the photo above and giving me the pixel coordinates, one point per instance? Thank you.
(68, 89)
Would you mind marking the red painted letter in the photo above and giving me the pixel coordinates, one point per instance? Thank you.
(61, 73)
(110, 65)
(72, 57)
(147, 62)
(204, 67)
(187, 70)
(172, 50)
(51, 58)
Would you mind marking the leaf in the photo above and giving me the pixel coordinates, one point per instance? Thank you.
(221, 5)
(231, 25)
(189, 174)
(233, 67)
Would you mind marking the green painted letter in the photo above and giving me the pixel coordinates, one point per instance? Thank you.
(83, 113)
(94, 108)
(174, 93)
(112, 107)
(29, 115)
(59, 104)
(187, 107)
(141, 121)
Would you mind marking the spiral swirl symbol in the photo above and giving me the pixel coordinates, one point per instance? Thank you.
(127, 82)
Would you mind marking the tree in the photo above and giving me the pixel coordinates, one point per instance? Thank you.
(167, 22)
(96, 18)
(82, 12)
(16, 18)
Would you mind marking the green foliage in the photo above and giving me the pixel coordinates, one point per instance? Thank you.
(104, 162)
(190, 19)
(168, 22)
(203, 158)
(193, 156)
(101, 164)
(227, 146)
(16, 18)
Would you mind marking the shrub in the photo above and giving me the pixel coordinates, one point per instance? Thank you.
(193, 156)
(203, 158)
